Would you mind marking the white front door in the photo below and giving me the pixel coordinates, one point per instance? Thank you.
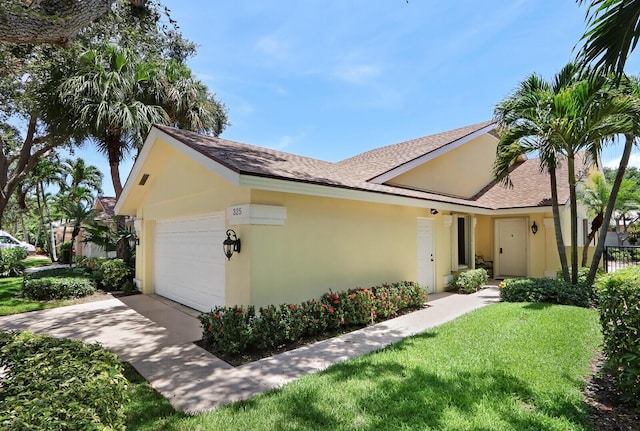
(512, 243)
(426, 258)
(189, 263)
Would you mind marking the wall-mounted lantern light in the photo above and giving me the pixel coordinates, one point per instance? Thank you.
(434, 211)
(534, 228)
(231, 245)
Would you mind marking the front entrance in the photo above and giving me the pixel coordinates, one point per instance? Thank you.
(511, 247)
(426, 258)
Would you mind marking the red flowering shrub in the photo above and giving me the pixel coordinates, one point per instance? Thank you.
(229, 329)
(236, 330)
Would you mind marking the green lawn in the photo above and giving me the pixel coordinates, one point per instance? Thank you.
(503, 367)
(34, 261)
(11, 302)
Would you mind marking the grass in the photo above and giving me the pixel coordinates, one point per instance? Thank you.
(36, 261)
(11, 301)
(504, 367)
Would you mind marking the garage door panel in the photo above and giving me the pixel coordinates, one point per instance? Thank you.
(189, 263)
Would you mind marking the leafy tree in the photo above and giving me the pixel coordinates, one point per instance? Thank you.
(28, 98)
(560, 120)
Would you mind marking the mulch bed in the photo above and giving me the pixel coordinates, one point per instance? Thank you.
(254, 355)
(607, 412)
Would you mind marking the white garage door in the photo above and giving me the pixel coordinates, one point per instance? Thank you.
(189, 261)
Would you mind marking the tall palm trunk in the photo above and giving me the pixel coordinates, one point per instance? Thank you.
(574, 218)
(41, 214)
(114, 153)
(25, 232)
(596, 224)
(624, 161)
(50, 235)
(562, 251)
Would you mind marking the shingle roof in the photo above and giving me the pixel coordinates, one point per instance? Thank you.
(108, 203)
(531, 188)
(381, 160)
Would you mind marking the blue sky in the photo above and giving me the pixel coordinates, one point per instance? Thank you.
(331, 79)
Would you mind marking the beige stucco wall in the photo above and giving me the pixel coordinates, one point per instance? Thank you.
(463, 171)
(335, 244)
(325, 243)
(180, 187)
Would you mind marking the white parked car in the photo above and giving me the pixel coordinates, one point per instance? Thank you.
(8, 241)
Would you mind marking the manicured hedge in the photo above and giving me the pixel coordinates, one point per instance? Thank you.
(619, 306)
(46, 289)
(60, 283)
(238, 329)
(548, 290)
(470, 281)
(52, 384)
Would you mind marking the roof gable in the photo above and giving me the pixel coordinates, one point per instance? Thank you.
(382, 164)
(255, 167)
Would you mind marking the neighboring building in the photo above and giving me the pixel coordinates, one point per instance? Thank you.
(103, 213)
(418, 210)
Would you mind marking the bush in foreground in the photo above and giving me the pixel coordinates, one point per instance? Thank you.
(548, 290)
(619, 307)
(59, 384)
(12, 262)
(237, 329)
(470, 281)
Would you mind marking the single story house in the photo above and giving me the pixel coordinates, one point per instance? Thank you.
(419, 210)
(103, 210)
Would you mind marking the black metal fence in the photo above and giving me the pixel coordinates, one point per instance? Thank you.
(620, 257)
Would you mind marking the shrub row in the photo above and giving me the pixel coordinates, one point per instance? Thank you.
(109, 274)
(48, 288)
(470, 281)
(619, 306)
(59, 384)
(549, 290)
(238, 329)
(12, 262)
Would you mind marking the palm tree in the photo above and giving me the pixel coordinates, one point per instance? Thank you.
(80, 181)
(560, 120)
(613, 30)
(187, 101)
(630, 88)
(109, 95)
(46, 172)
(78, 213)
(594, 197)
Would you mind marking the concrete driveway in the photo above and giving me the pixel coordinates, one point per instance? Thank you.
(156, 337)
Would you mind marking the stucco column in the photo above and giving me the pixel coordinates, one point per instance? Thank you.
(552, 260)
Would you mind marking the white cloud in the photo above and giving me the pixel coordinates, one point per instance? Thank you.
(634, 160)
(357, 73)
(273, 46)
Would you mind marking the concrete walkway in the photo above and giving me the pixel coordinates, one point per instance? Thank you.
(194, 380)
